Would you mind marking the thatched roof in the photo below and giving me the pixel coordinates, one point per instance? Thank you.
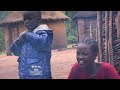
(16, 16)
(85, 14)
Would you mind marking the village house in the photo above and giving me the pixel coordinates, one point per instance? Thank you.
(86, 24)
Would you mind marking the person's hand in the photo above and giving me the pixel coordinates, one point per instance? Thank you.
(23, 36)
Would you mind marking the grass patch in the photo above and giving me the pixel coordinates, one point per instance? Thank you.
(2, 53)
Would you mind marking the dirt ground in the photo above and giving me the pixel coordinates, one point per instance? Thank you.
(61, 63)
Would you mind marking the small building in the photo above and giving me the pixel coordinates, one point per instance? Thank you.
(86, 24)
(13, 25)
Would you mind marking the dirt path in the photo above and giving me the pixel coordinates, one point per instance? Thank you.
(61, 63)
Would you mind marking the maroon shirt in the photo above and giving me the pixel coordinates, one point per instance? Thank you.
(105, 71)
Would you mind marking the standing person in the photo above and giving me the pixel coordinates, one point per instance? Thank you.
(86, 67)
(33, 47)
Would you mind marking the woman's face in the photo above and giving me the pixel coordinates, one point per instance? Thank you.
(84, 55)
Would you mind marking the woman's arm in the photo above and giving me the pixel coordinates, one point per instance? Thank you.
(73, 72)
(111, 72)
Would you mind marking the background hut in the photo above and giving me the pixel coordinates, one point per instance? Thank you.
(13, 25)
(86, 24)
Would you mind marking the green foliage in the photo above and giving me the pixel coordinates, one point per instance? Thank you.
(3, 14)
(70, 13)
(71, 39)
(70, 28)
(2, 42)
(2, 53)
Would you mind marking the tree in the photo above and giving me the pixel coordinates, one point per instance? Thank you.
(70, 26)
(2, 42)
(3, 14)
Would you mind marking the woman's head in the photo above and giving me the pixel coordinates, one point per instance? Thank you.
(92, 43)
(87, 51)
(31, 19)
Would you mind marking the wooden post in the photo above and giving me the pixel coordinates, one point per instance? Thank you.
(106, 37)
(76, 25)
(9, 41)
(17, 28)
(110, 39)
(117, 22)
(81, 29)
(90, 30)
(99, 35)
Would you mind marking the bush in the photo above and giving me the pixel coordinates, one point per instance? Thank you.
(71, 39)
(71, 31)
(2, 43)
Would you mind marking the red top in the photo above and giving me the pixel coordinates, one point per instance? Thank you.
(106, 71)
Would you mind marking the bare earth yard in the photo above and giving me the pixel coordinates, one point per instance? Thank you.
(61, 63)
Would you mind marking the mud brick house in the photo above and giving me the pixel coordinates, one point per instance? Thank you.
(86, 24)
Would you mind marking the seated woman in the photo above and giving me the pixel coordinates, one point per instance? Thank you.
(86, 67)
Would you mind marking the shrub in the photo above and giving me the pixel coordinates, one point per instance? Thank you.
(2, 43)
(71, 39)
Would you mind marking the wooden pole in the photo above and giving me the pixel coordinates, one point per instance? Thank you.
(99, 35)
(110, 39)
(106, 37)
(17, 30)
(90, 30)
(76, 25)
(9, 41)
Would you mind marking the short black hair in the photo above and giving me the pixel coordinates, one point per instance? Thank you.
(38, 13)
(92, 43)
